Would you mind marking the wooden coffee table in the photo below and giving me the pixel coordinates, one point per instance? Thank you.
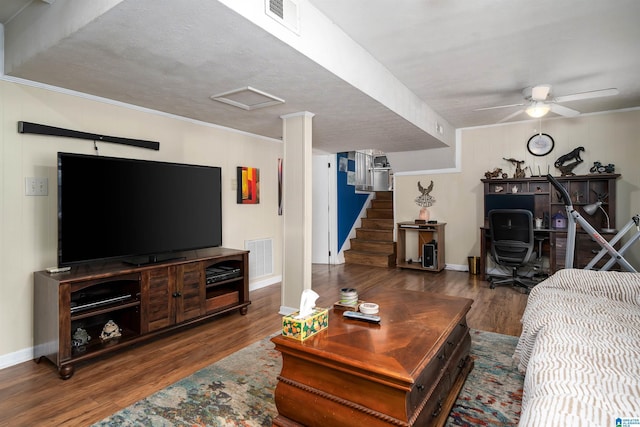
(407, 371)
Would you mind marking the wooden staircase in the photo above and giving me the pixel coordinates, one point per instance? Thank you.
(373, 244)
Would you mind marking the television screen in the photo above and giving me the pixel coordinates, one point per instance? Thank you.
(116, 208)
(509, 201)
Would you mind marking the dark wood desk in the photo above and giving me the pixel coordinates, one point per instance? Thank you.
(407, 371)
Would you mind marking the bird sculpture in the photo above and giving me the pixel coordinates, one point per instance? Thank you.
(425, 199)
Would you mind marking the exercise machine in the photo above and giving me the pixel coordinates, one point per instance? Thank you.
(574, 218)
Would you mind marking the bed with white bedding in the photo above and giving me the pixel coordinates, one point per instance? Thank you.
(580, 349)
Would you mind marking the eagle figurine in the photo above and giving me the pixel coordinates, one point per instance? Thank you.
(425, 199)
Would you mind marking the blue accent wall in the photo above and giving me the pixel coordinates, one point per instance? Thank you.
(349, 202)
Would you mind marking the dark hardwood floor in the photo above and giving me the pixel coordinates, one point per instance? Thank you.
(31, 394)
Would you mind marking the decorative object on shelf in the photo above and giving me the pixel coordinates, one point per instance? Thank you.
(425, 200)
(495, 173)
(80, 338)
(538, 223)
(567, 170)
(558, 196)
(559, 220)
(110, 330)
(577, 195)
(514, 189)
(531, 171)
(600, 168)
(601, 197)
(574, 154)
(248, 185)
(499, 189)
(519, 173)
(540, 144)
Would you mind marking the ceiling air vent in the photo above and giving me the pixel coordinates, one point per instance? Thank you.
(283, 11)
(247, 98)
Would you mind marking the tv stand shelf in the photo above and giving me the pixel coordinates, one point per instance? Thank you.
(143, 301)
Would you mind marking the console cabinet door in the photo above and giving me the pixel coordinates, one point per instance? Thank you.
(190, 291)
(158, 303)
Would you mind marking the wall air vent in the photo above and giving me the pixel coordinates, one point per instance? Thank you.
(276, 7)
(285, 12)
(260, 257)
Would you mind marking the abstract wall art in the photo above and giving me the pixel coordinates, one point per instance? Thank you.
(248, 185)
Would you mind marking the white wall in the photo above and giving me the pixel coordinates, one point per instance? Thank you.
(28, 224)
(608, 138)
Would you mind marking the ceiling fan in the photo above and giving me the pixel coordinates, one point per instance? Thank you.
(539, 100)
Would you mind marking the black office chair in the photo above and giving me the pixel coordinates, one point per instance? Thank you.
(512, 244)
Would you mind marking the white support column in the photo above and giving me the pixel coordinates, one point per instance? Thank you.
(297, 208)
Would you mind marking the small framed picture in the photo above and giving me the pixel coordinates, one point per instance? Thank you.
(248, 185)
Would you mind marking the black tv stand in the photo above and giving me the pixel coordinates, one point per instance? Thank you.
(152, 259)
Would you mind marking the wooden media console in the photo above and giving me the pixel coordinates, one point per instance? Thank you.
(143, 301)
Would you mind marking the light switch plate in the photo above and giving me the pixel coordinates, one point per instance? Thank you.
(36, 186)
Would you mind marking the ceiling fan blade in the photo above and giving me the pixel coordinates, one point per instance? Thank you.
(540, 92)
(499, 106)
(587, 95)
(564, 111)
(511, 116)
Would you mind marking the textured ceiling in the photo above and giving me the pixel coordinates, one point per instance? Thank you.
(459, 55)
(455, 55)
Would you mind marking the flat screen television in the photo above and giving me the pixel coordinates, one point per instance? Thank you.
(509, 201)
(135, 210)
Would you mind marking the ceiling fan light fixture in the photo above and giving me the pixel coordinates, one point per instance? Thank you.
(538, 109)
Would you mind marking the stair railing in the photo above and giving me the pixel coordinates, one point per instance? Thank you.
(369, 176)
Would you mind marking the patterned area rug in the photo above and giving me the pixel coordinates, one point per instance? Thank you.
(492, 393)
(238, 391)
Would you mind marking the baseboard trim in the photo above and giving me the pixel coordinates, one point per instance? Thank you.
(15, 358)
(456, 267)
(285, 311)
(264, 283)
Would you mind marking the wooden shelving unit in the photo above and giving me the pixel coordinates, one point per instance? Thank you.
(425, 234)
(583, 190)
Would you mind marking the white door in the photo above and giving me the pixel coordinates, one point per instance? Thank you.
(322, 208)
